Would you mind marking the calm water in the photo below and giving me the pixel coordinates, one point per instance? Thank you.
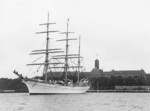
(80, 102)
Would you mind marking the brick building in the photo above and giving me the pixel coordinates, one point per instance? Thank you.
(97, 72)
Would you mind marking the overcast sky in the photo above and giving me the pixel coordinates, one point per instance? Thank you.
(118, 31)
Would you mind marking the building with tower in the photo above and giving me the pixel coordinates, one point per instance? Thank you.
(96, 72)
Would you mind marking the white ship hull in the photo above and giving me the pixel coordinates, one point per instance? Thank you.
(43, 88)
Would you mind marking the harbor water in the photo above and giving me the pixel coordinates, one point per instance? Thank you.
(75, 102)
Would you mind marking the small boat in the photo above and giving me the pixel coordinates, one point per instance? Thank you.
(66, 86)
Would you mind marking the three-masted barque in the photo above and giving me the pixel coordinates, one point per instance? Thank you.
(46, 86)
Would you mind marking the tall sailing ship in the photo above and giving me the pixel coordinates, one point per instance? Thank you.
(47, 86)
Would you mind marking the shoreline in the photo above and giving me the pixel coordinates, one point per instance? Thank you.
(7, 91)
(119, 91)
(92, 91)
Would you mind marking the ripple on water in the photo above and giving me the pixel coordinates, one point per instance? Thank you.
(81, 102)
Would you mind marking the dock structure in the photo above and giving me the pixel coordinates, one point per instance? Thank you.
(118, 91)
(7, 91)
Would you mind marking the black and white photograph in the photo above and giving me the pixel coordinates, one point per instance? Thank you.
(74, 55)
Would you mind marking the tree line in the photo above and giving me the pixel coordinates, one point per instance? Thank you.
(104, 83)
(13, 84)
(97, 83)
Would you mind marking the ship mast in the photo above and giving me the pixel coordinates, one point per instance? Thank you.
(66, 56)
(47, 54)
(45, 51)
(67, 47)
(78, 62)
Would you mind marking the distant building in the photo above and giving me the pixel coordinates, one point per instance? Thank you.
(125, 73)
(96, 64)
(96, 72)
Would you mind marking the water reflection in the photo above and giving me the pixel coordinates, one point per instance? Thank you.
(76, 102)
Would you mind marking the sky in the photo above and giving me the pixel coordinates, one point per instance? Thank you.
(117, 32)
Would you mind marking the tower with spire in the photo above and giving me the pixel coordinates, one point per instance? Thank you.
(96, 72)
(96, 64)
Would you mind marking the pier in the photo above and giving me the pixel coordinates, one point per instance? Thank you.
(7, 91)
(119, 91)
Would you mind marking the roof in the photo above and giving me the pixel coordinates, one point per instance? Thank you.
(125, 73)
